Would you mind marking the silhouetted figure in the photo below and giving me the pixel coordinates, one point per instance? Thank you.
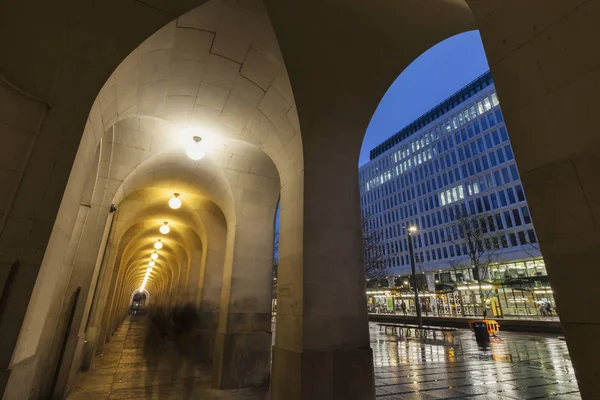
(154, 347)
(403, 307)
(185, 321)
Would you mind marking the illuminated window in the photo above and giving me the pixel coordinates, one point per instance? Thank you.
(495, 101)
(473, 111)
(486, 104)
(480, 108)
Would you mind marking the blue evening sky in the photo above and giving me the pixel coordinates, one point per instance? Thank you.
(435, 75)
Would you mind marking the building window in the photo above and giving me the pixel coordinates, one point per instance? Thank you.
(507, 219)
(513, 239)
(503, 134)
(517, 217)
(522, 238)
(499, 116)
(495, 101)
(526, 215)
(496, 137)
(487, 104)
(514, 172)
(520, 194)
(531, 235)
(509, 153)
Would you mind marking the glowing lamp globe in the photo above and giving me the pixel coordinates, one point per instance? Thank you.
(165, 228)
(154, 255)
(148, 271)
(175, 201)
(195, 150)
(158, 245)
(152, 263)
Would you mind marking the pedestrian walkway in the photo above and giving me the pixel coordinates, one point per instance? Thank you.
(134, 365)
(513, 366)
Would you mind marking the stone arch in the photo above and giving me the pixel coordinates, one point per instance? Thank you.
(144, 292)
(53, 83)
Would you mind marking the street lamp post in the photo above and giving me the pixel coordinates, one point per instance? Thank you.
(410, 231)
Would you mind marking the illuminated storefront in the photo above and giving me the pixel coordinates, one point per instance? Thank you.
(515, 289)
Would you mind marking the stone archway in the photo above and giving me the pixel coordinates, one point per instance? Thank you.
(341, 57)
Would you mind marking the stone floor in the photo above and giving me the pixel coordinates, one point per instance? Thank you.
(450, 366)
(454, 366)
(133, 366)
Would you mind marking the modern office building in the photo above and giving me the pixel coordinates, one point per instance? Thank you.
(456, 159)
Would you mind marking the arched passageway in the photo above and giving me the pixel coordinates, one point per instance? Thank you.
(71, 85)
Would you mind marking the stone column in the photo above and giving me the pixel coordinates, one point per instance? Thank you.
(545, 66)
(243, 340)
(322, 346)
(210, 280)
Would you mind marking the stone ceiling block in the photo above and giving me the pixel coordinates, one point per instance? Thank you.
(179, 108)
(234, 34)
(212, 96)
(162, 39)
(192, 44)
(152, 97)
(192, 70)
(154, 66)
(221, 71)
(259, 69)
(275, 107)
(182, 87)
(266, 43)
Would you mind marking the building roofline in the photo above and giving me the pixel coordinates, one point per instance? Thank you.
(467, 91)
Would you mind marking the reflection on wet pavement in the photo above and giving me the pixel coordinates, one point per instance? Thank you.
(447, 366)
(453, 366)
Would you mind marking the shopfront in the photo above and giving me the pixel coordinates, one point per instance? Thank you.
(516, 289)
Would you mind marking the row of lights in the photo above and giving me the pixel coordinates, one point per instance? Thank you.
(164, 229)
(195, 151)
(145, 281)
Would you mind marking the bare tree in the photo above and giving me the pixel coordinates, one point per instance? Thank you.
(420, 269)
(376, 261)
(532, 249)
(458, 266)
(479, 238)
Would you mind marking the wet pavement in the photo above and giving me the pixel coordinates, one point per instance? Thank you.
(135, 365)
(454, 366)
(447, 366)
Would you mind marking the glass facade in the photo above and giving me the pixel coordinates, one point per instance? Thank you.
(455, 160)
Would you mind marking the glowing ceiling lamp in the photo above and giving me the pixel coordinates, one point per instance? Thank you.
(164, 229)
(152, 263)
(175, 201)
(195, 150)
(154, 255)
(149, 270)
(158, 245)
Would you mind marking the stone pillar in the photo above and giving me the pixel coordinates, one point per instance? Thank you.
(210, 280)
(322, 346)
(101, 298)
(243, 340)
(545, 65)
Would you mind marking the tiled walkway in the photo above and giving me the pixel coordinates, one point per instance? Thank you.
(453, 366)
(133, 366)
